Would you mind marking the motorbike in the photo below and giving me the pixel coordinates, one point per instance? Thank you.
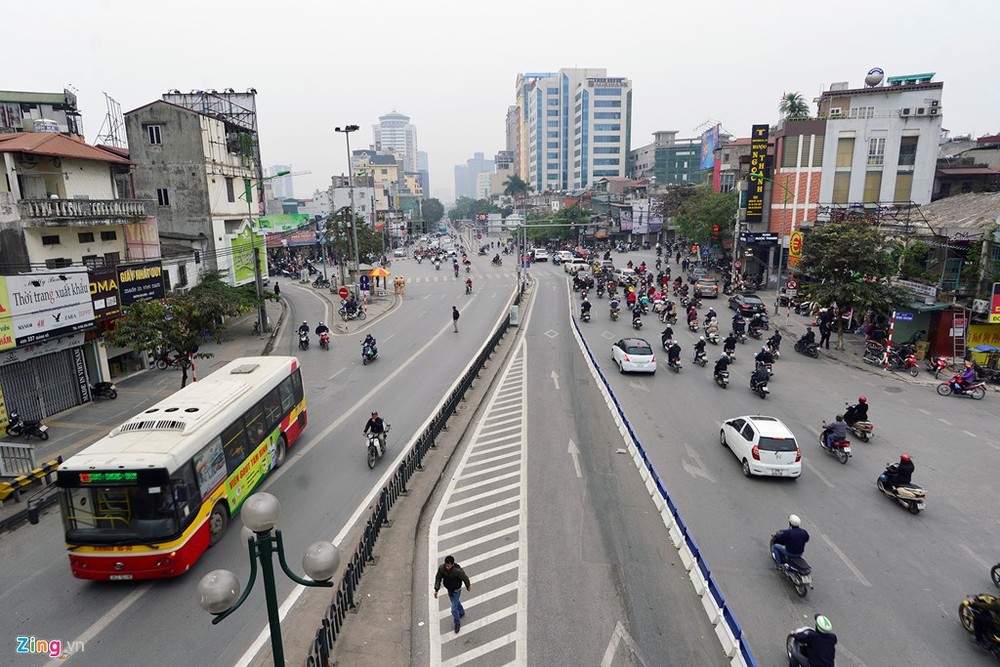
(368, 353)
(760, 388)
(321, 282)
(722, 378)
(995, 575)
(104, 390)
(468, 288)
(674, 365)
(810, 350)
(468, 268)
(600, 291)
(700, 358)
(636, 323)
(936, 365)
(497, 262)
(712, 337)
(324, 340)
(967, 615)
(755, 332)
(16, 426)
(796, 569)
(585, 316)
(740, 336)
(456, 272)
(840, 448)
(358, 314)
(613, 312)
(976, 390)
(303, 340)
(166, 359)
(861, 429)
(437, 266)
(420, 259)
(911, 496)
(374, 448)
(693, 325)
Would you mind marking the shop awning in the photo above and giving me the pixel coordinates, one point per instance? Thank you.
(922, 307)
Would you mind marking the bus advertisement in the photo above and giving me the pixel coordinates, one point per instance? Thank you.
(148, 499)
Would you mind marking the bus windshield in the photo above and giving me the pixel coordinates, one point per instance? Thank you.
(118, 515)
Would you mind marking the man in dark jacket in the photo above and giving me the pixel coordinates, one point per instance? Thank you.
(900, 473)
(821, 644)
(791, 541)
(453, 576)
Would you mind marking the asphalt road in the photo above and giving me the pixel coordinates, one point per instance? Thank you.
(890, 582)
(320, 486)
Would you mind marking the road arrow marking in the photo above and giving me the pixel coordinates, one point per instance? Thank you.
(618, 636)
(574, 451)
(555, 378)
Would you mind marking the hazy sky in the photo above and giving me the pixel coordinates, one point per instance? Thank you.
(451, 65)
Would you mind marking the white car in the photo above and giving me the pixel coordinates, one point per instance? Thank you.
(562, 256)
(633, 354)
(764, 446)
(575, 264)
(541, 254)
(399, 252)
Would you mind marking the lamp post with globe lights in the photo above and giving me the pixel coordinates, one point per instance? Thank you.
(346, 130)
(219, 590)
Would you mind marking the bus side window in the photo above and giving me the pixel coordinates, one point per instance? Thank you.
(234, 442)
(272, 408)
(297, 385)
(287, 395)
(256, 429)
(187, 496)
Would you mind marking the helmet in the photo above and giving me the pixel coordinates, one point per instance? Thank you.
(701, 338)
(823, 624)
(763, 348)
(862, 399)
(374, 413)
(304, 322)
(809, 328)
(320, 324)
(794, 520)
(840, 418)
(904, 457)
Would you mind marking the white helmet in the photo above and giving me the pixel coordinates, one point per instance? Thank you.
(701, 338)
(794, 520)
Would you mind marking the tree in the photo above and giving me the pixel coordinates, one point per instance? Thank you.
(515, 187)
(793, 105)
(669, 202)
(850, 263)
(542, 226)
(182, 321)
(433, 211)
(340, 237)
(467, 208)
(702, 210)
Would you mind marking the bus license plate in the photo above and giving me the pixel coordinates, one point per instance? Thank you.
(120, 577)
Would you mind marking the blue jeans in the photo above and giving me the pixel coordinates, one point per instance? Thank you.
(457, 610)
(780, 551)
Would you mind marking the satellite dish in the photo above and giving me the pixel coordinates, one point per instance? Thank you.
(874, 77)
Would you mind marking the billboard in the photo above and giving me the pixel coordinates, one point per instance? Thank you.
(640, 217)
(283, 222)
(140, 282)
(626, 219)
(655, 215)
(995, 305)
(709, 142)
(104, 294)
(755, 185)
(242, 246)
(39, 306)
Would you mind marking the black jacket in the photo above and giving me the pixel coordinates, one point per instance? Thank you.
(822, 647)
(900, 473)
(452, 580)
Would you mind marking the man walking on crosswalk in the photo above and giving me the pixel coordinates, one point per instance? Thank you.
(453, 577)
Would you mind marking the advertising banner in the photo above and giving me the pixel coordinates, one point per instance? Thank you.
(140, 282)
(709, 142)
(626, 220)
(40, 306)
(655, 215)
(995, 304)
(755, 185)
(104, 294)
(640, 218)
(282, 222)
(242, 246)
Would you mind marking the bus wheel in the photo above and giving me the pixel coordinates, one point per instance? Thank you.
(217, 522)
(282, 452)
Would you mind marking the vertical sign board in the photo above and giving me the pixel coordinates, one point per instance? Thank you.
(104, 294)
(995, 305)
(755, 186)
(140, 282)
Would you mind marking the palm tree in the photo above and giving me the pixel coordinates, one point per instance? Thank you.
(793, 105)
(515, 187)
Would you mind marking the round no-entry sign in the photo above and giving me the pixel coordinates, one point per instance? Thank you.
(738, 264)
(342, 292)
(792, 284)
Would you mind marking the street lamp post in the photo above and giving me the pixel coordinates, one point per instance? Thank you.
(219, 590)
(781, 241)
(258, 278)
(347, 129)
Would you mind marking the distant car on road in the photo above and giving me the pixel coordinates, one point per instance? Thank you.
(633, 354)
(399, 252)
(695, 273)
(706, 286)
(763, 445)
(576, 264)
(562, 256)
(747, 304)
(541, 254)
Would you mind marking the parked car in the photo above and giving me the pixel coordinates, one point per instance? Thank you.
(706, 286)
(747, 304)
(763, 445)
(399, 252)
(575, 264)
(633, 354)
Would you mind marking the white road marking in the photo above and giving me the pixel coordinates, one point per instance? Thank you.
(816, 472)
(850, 656)
(971, 435)
(620, 635)
(107, 619)
(926, 412)
(847, 561)
(336, 374)
(555, 379)
(982, 563)
(574, 452)
(944, 421)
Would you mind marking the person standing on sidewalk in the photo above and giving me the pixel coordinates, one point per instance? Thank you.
(453, 576)
(277, 289)
(454, 317)
(825, 329)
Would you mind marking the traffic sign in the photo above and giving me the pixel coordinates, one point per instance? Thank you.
(479, 236)
(791, 284)
(904, 317)
(795, 244)
(342, 292)
(364, 282)
(738, 264)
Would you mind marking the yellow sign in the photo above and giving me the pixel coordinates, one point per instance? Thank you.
(795, 244)
(6, 318)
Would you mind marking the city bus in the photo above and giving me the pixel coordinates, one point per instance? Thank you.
(145, 501)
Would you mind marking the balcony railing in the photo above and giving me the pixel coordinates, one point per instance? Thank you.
(82, 209)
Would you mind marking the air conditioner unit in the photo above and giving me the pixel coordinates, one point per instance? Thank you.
(935, 103)
(920, 111)
(980, 306)
(835, 111)
(935, 111)
(905, 111)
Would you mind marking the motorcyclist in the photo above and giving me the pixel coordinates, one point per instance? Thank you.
(304, 327)
(712, 327)
(667, 335)
(808, 338)
(496, 258)
(857, 413)
(739, 323)
(899, 473)
(369, 342)
(967, 377)
(836, 431)
(722, 365)
(775, 341)
(671, 310)
(709, 315)
(758, 377)
(699, 348)
(320, 329)
(674, 354)
(986, 618)
(636, 315)
(585, 307)
(757, 321)
(376, 427)
(729, 344)
(790, 542)
(764, 356)
(351, 305)
(468, 285)
(614, 305)
(821, 644)
(692, 313)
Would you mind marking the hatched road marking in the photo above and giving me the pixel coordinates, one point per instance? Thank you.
(481, 521)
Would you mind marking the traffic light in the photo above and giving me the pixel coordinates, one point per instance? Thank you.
(715, 232)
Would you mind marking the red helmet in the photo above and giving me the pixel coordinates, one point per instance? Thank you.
(904, 457)
(862, 399)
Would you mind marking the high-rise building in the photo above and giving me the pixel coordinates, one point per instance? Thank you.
(282, 185)
(467, 175)
(423, 168)
(574, 127)
(395, 134)
(671, 161)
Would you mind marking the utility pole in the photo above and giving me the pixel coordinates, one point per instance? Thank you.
(347, 129)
